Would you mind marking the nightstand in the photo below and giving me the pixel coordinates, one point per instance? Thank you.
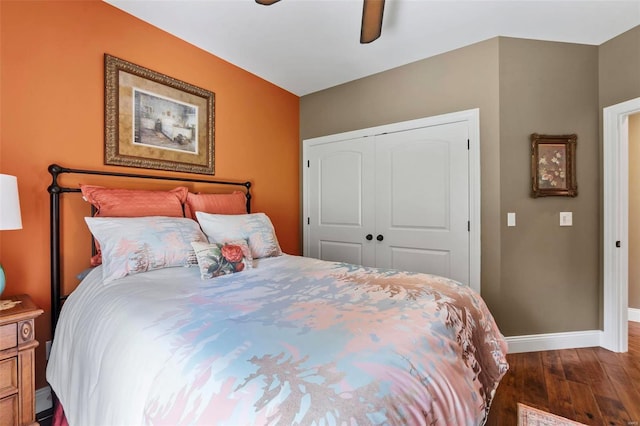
(17, 362)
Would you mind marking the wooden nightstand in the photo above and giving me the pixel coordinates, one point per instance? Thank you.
(17, 362)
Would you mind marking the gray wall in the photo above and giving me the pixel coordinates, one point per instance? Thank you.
(619, 68)
(550, 274)
(537, 277)
(619, 73)
(458, 80)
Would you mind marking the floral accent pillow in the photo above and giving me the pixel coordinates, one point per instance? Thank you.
(215, 259)
(138, 244)
(256, 228)
(192, 259)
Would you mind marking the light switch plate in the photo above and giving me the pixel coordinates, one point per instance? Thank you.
(566, 218)
(511, 219)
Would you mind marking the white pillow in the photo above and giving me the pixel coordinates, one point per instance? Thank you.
(131, 245)
(256, 228)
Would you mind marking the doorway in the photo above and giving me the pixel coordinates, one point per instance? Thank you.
(616, 224)
(634, 211)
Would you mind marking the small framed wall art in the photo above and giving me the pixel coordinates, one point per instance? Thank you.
(553, 165)
(155, 121)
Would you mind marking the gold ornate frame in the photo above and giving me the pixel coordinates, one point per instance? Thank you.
(155, 121)
(553, 165)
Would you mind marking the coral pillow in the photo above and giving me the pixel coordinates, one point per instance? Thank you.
(234, 203)
(116, 202)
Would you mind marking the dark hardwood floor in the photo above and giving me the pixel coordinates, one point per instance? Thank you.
(591, 385)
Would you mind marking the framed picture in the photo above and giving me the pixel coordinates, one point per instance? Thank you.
(155, 121)
(553, 165)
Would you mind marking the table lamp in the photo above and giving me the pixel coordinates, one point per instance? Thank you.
(9, 211)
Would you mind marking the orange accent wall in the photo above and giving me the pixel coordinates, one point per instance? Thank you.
(51, 111)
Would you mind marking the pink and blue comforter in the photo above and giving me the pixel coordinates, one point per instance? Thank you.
(292, 341)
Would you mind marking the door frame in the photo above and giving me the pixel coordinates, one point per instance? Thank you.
(615, 162)
(472, 117)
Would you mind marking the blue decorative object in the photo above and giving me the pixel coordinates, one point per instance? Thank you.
(2, 280)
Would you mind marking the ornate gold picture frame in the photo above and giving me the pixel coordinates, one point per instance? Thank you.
(154, 121)
(553, 165)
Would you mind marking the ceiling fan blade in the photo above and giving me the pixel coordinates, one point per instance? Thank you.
(267, 2)
(372, 11)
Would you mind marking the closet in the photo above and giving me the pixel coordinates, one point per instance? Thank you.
(397, 196)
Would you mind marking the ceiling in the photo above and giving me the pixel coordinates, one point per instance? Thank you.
(305, 46)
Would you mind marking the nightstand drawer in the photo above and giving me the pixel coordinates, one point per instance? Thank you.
(17, 362)
(8, 336)
(8, 376)
(9, 410)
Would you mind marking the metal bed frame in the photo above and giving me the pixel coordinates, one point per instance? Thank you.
(56, 190)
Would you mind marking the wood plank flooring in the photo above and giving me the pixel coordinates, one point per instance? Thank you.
(590, 385)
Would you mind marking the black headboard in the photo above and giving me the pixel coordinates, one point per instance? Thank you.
(55, 191)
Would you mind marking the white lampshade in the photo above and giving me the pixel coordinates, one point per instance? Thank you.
(9, 203)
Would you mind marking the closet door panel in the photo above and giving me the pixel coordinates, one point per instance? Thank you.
(341, 201)
(436, 262)
(419, 185)
(422, 200)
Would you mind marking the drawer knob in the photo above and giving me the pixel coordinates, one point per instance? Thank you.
(26, 331)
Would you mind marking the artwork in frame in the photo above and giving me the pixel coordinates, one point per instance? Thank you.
(553, 165)
(155, 121)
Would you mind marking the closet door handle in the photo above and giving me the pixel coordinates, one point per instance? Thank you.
(379, 237)
(369, 237)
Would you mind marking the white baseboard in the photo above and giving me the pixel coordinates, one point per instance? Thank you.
(634, 314)
(43, 399)
(554, 341)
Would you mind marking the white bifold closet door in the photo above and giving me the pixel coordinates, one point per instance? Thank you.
(397, 200)
(342, 201)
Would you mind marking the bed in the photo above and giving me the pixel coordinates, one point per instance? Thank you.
(256, 336)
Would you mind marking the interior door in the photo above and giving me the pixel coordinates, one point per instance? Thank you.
(341, 201)
(422, 200)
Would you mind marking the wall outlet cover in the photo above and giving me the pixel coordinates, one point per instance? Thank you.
(566, 218)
